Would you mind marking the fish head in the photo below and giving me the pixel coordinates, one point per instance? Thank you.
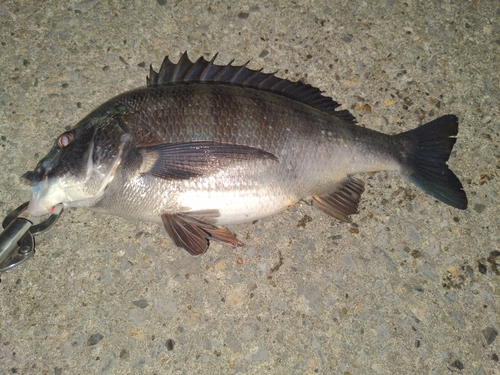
(80, 165)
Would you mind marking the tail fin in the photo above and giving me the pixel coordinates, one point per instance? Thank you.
(425, 151)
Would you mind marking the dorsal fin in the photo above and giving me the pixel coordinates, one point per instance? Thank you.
(203, 71)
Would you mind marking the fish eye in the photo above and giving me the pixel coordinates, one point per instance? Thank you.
(65, 139)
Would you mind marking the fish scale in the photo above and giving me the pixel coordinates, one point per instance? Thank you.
(204, 145)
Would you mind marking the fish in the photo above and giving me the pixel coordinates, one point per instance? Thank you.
(203, 146)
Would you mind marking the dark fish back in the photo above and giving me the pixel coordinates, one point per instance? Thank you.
(219, 113)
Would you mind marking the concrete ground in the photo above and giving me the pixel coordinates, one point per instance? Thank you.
(411, 287)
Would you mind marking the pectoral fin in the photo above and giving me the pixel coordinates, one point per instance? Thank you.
(192, 231)
(343, 201)
(194, 159)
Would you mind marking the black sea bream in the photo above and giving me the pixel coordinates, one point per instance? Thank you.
(203, 146)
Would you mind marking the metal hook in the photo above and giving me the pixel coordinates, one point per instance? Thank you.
(17, 243)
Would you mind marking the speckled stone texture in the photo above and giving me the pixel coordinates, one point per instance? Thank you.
(410, 287)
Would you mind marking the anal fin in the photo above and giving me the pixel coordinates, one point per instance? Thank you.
(193, 231)
(342, 202)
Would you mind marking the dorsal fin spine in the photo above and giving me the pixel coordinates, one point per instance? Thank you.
(187, 75)
(176, 76)
(234, 78)
(249, 78)
(264, 82)
(205, 71)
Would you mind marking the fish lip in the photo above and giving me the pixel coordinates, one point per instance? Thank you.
(25, 181)
(42, 203)
(36, 211)
(34, 177)
(28, 178)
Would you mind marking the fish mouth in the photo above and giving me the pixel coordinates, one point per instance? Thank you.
(29, 178)
(34, 177)
(36, 211)
(45, 198)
